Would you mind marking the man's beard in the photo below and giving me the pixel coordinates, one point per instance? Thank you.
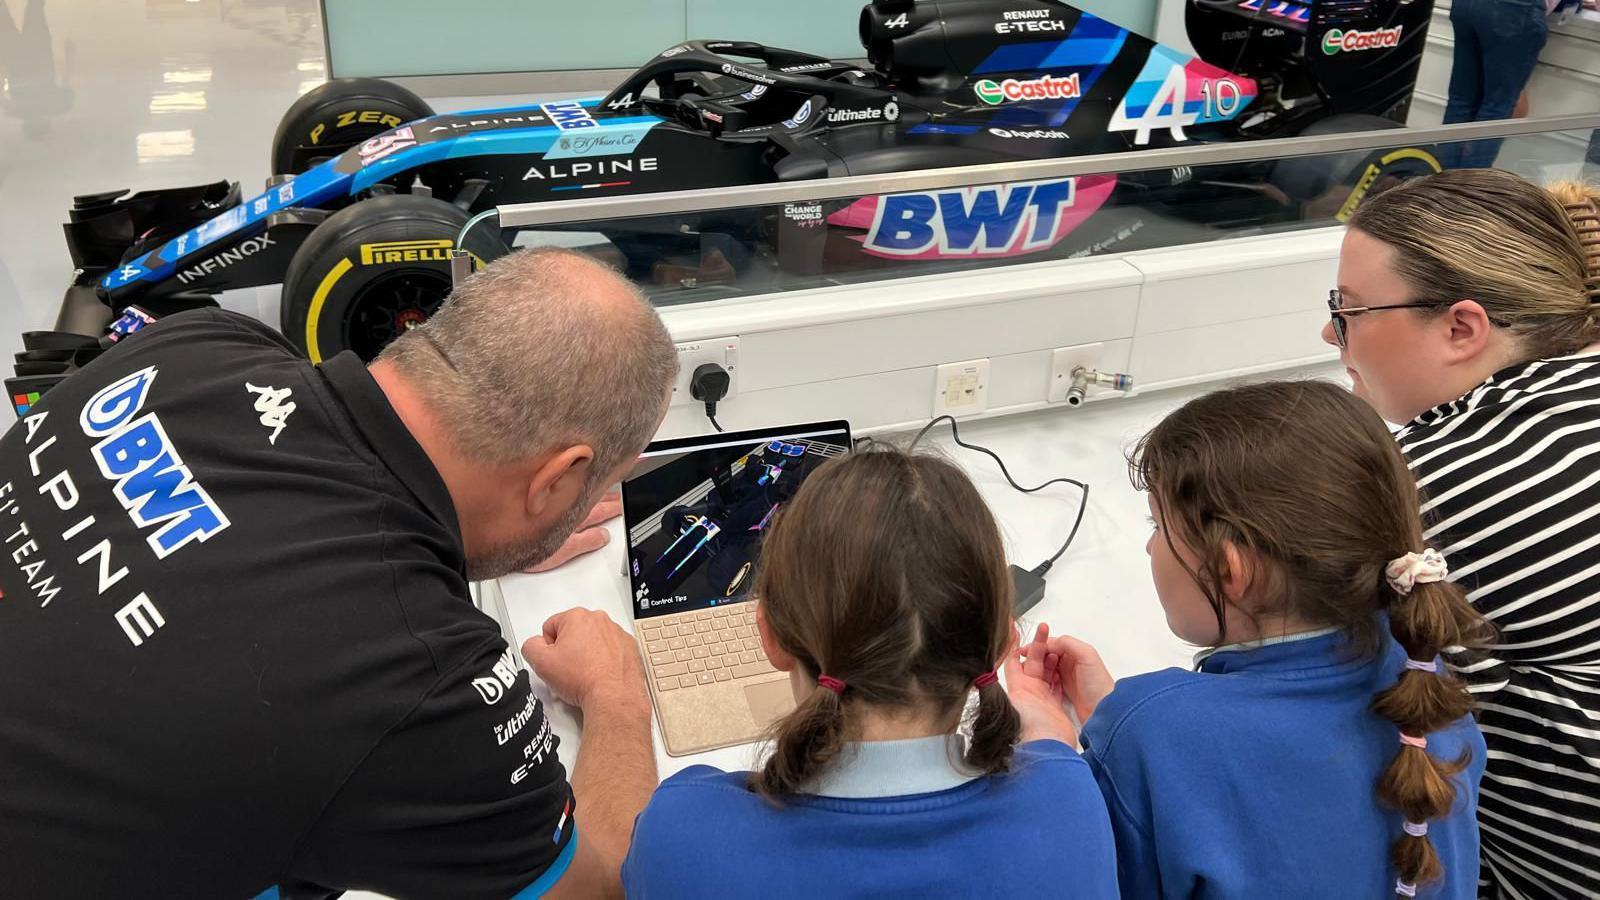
(515, 556)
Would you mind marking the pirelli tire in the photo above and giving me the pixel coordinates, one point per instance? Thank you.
(1333, 185)
(373, 270)
(338, 115)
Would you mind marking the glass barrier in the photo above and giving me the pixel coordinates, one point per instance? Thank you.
(713, 253)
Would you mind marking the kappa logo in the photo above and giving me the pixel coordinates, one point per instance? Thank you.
(492, 687)
(274, 406)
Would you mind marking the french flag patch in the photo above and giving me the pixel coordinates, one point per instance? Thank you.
(562, 823)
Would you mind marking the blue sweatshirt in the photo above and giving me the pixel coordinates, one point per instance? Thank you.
(1043, 825)
(1254, 777)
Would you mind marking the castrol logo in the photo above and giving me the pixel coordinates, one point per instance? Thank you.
(1011, 90)
(1340, 41)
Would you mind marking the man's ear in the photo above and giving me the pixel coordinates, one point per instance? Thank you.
(558, 480)
(781, 659)
(1468, 329)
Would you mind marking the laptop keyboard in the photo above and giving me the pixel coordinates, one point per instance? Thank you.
(693, 649)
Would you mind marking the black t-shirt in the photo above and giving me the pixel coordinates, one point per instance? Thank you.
(237, 649)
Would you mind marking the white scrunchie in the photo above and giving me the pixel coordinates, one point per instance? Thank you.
(1413, 569)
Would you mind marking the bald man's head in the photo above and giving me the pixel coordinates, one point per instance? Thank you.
(542, 349)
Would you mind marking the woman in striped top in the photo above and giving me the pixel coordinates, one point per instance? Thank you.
(1466, 308)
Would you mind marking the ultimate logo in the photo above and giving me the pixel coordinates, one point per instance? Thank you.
(1011, 90)
(1340, 41)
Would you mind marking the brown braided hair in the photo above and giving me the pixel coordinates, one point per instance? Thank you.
(1305, 480)
(886, 572)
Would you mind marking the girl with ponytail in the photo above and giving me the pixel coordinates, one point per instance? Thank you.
(1319, 749)
(1468, 309)
(884, 592)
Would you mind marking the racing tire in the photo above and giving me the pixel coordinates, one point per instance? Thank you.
(338, 115)
(374, 270)
(1333, 186)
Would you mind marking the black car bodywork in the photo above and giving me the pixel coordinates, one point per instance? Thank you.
(949, 82)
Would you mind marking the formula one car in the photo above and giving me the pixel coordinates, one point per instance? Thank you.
(374, 190)
(706, 548)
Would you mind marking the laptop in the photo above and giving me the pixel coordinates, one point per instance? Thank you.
(695, 511)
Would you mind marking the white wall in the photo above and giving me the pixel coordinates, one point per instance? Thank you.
(869, 353)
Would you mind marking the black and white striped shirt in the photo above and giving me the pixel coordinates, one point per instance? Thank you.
(1510, 478)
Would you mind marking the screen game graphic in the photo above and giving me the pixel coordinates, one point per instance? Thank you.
(697, 517)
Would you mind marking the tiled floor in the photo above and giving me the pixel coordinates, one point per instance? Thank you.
(104, 94)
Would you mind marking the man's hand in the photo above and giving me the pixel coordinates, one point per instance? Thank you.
(1083, 677)
(1036, 694)
(584, 656)
(589, 537)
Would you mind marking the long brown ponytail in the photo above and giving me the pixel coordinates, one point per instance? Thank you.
(1306, 479)
(886, 572)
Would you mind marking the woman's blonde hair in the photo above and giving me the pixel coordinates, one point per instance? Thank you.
(1530, 256)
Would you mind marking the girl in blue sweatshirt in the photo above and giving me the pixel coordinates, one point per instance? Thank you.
(884, 593)
(1319, 749)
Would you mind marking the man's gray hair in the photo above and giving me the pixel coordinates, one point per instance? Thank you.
(540, 350)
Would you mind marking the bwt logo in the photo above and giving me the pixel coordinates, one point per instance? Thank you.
(151, 481)
(493, 686)
(568, 114)
(984, 221)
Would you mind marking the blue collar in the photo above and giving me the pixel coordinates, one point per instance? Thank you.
(1297, 653)
(1257, 644)
(872, 769)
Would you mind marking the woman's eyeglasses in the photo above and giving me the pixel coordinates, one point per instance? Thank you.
(1337, 310)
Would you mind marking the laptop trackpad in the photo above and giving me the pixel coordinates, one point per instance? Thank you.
(769, 700)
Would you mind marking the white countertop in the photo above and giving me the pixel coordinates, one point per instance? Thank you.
(1099, 591)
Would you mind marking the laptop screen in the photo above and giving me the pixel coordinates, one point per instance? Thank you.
(696, 509)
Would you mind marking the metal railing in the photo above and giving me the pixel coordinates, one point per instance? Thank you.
(562, 212)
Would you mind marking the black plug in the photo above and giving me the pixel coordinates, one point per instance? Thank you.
(709, 383)
(1029, 588)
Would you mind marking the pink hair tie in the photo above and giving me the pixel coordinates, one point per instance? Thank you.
(1405, 888)
(986, 679)
(831, 683)
(1412, 740)
(1421, 666)
(1406, 572)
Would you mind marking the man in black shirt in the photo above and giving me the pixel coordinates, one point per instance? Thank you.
(240, 656)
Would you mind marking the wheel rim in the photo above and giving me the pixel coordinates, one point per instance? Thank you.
(392, 305)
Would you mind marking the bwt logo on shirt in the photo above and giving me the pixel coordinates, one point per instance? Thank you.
(493, 686)
(151, 481)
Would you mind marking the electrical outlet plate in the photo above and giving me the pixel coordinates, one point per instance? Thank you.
(1066, 359)
(723, 351)
(962, 388)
